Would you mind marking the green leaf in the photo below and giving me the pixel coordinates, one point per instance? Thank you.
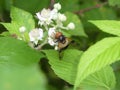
(114, 2)
(103, 78)
(22, 78)
(18, 63)
(5, 33)
(66, 67)
(98, 56)
(109, 26)
(20, 18)
(16, 52)
(78, 31)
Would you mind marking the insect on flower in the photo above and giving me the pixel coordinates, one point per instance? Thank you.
(63, 41)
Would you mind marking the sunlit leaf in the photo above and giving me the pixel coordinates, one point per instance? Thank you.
(98, 56)
(20, 18)
(109, 26)
(103, 79)
(66, 67)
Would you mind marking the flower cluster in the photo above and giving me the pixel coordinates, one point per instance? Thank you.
(50, 22)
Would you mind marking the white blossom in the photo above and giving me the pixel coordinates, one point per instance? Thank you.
(52, 21)
(57, 6)
(36, 35)
(51, 32)
(61, 17)
(54, 14)
(51, 41)
(44, 16)
(22, 29)
(71, 25)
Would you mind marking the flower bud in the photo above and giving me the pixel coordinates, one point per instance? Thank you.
(22, 29)
(57, 6)
(62, 17)
(71, 26)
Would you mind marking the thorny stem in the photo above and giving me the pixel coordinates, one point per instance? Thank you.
(91, 8)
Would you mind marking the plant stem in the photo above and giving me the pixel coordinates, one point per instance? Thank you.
(91, 8)
(52, 2)
(41, 45)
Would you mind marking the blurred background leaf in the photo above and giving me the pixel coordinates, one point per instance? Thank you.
(21, 78)
(18, 66)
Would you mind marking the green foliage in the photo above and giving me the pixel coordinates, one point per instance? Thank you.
(98, 56)
(108, 26)
(18, 66)
(22, 78)
(65, 67)
(86, 69)
(16, 52)
(68, 70)
(33, 6)
(114, 2)
(5, 33)
(103, 79)
(20, 18)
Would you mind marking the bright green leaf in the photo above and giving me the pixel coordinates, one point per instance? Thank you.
(78, 31)
(98, 56)
(16, 52)
(109, 26)
(66, 67)
(20, 18)
(12, 28)
(5, 33)
(103, 78)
